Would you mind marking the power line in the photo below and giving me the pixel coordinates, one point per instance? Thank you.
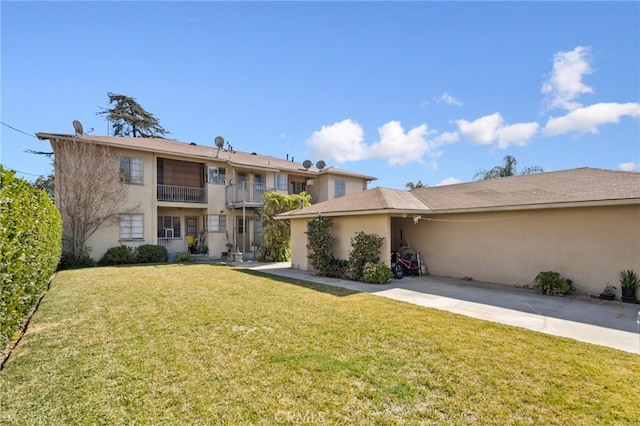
(18, 130)
(25, 173)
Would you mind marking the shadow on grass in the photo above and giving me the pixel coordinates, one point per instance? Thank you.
(323, 288)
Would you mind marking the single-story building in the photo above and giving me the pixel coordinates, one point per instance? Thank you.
(583, 223)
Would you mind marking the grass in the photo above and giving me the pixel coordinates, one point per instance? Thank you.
(204, 344)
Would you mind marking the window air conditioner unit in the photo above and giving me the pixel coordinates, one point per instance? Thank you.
(309, 182)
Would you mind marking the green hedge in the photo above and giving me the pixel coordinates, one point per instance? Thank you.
(125, 255)
(30, 247)
(149, 253)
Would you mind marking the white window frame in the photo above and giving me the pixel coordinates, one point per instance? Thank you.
(217, 223)
(215, 175)
(131, 226)
(339, 188)
(281, 182)
(134, 171)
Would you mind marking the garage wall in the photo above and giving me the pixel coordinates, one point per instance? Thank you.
(299, 244)
(343, 229)
(587, 245)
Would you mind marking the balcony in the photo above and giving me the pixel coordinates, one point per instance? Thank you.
(182, 194)
(246, 194)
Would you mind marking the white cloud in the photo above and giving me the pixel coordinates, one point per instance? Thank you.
(340, 142)
(516, 134)
(629, 166)
(344, 141)
(490, 128)
(482, 131)
(448, 181)
(444, 138)
(448, 99)
(565, 83)
(400, 147)
(588, 119)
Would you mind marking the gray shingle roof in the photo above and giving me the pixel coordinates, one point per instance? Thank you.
(373, 200)
(561, 188)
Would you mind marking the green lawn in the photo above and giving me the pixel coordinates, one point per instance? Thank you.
(205, 344)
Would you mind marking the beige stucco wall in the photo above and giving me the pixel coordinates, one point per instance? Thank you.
(343, 229)
(320, 188)
(588, 245)
(140, 199)
(299, 244)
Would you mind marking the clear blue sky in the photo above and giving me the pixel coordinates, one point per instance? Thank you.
(402, 91)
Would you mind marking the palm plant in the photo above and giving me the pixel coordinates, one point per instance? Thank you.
(629, 283)
(411, 185)
(505, 170)
(628, 279)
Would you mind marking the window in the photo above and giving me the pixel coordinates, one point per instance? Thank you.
(131, 169)
(217, 174)
(340, 190)
(131, 227)
(297, 187)
(281, 182)
(217, 223)
(241, 226)
(168, 227)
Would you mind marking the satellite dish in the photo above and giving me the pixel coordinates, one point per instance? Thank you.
(219, 141)
(307, 163)
(77, 126)
(321, 164)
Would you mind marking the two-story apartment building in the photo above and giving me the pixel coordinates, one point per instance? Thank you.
(183, 192)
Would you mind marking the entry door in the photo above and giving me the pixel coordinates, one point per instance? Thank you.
(192, 226)
(191, 233)
(258, 187)
(241, 234)
(243, 187)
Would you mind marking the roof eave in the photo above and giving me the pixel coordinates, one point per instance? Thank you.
(558, 205)
(314, 214)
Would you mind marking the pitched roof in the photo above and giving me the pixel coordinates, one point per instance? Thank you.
(374, 200)
(583, 186)
(204, 152)
(561, 187)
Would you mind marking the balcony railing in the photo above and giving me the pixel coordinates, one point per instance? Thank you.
(182, 194)
(246, 193)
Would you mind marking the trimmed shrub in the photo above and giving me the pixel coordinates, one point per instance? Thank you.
(337, 268)
(185, 257)
(120, 255)
(376, 274)
(149, 253)
(30, 248)
(320, 245)
(365, 248)
(551, 282)
(69, 261)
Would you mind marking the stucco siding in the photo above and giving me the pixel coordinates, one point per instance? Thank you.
(299, 244)
(587, 245)
(344, 228)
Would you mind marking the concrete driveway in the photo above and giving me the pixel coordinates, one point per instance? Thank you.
(602, 322)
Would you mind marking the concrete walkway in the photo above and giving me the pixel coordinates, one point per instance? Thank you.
(602, 322)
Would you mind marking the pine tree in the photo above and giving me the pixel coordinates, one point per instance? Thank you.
(128, 118)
